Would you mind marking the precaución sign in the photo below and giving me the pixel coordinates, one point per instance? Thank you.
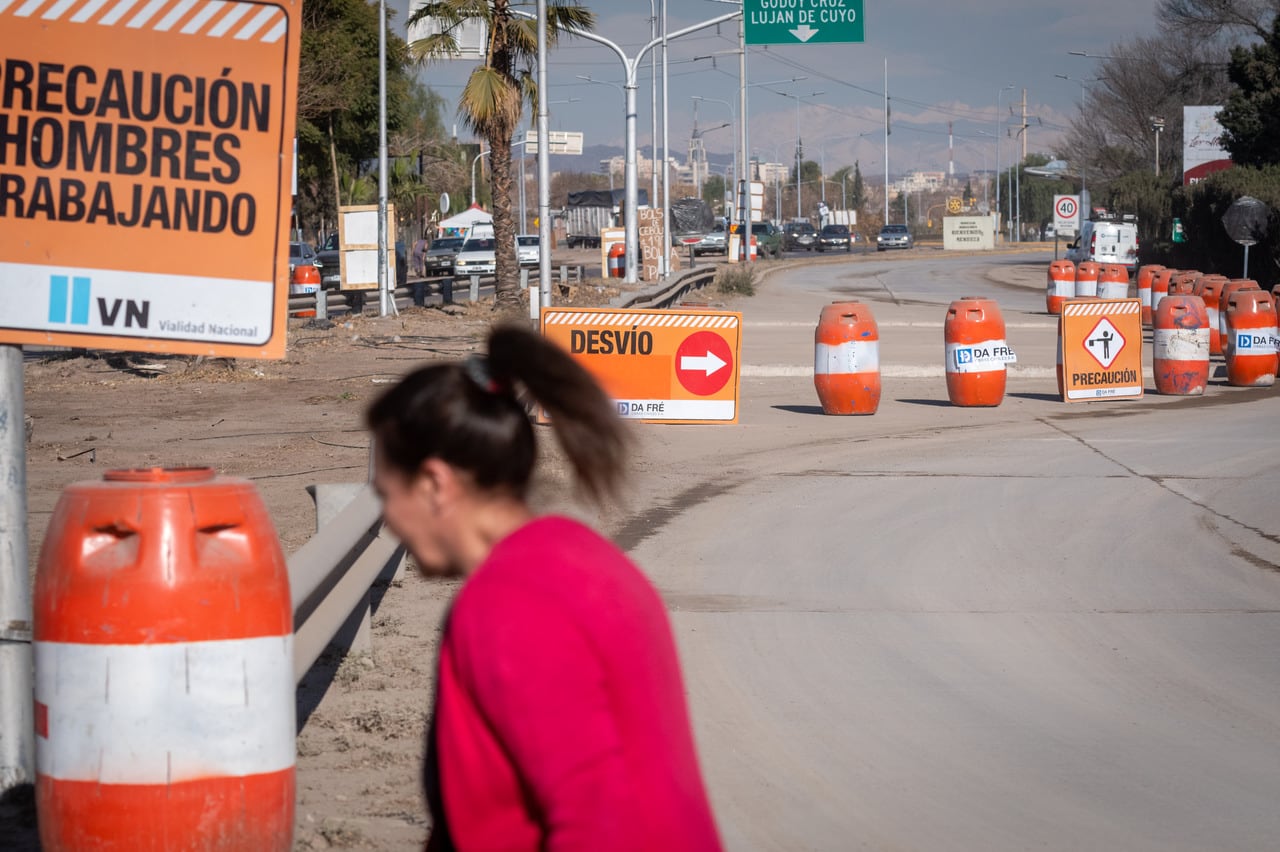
(145, 159)
(1101, 343)
(677, 366)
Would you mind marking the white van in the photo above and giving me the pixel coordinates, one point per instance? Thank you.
(1107, 241)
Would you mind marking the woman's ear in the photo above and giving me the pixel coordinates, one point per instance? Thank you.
(439, 484)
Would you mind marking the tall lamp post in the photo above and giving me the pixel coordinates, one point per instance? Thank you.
(799, 145)
(733, 122)
(999, 121)
(1157, 127)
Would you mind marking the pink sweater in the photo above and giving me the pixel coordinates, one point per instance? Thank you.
(560, 714)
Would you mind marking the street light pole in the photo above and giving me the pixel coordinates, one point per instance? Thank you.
(799, 146)
(475, 160)
(1157, 126)
(999, 121)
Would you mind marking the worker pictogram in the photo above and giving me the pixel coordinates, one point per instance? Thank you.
(1104, 343)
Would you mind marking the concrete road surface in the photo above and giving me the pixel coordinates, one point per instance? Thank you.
(1038, 626)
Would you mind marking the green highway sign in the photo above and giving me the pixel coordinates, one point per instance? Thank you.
(803, 21)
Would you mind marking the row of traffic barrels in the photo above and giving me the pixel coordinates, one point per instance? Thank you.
(846, 368)
(1193, 315)
(1086, 281)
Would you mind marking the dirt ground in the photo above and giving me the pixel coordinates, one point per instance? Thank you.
(284, 425)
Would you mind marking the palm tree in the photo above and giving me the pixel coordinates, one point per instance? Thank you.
(494, 96)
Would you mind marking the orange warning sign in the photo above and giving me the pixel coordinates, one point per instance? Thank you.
(678, 366)
(145, 157)
(1101, 343)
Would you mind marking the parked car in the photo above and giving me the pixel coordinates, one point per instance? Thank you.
(302, 253)
(476, 257)
(799, 236)
(1109, 241)
(894, 236)
(528, 250)
(713, 242)
(768, 239)
(835, 237)
(440, 255)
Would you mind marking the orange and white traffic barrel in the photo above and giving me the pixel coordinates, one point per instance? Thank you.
(1061, 285)
(304, 281)
(1113, 282)
(1211, 287)
(617, 260)
(1145, 274)
(1160, 286)
(164, 685)
(976, 352)
(1184, 283)
(1251, 344)
(846, 359)
(754, 249)
(1087, 278)
(1180, 346)
(1233, 286)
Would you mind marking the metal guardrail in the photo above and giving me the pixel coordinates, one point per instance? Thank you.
(331, 575)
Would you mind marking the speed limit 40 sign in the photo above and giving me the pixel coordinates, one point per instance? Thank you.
(1066, 214)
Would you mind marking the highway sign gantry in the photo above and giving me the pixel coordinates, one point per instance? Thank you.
(145, 175)
(675, 366)
(803, 21)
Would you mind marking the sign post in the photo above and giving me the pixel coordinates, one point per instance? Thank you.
(1066, 218)
(671, 366)
(1101, 343)
(803, 21)
(145, 199)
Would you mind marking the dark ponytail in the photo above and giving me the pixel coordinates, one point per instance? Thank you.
(472, 415)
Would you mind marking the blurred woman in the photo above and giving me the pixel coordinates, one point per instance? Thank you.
(560, 720)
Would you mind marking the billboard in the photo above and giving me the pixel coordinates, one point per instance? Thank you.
(1202, 151)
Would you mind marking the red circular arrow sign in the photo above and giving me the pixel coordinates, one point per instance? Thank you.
(704, 363)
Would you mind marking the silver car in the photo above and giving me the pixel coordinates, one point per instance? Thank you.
(528, 250)
(476, 257)
(894, 236)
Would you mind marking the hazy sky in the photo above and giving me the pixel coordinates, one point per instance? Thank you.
(947, 61)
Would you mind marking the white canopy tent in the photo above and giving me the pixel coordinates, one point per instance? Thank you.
(457, 226)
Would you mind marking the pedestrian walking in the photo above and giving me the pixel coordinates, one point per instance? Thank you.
(559, 720)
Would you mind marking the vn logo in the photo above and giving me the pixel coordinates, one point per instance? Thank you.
(69, 301)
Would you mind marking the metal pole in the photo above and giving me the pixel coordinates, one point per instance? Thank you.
(999, 215)
(386, 303)
(524, 223)
(631, 206)
(653, 109)
(744, 173)
(886, 140)
(17, 747)
(544, 170)
(666, 158)
(799, 158)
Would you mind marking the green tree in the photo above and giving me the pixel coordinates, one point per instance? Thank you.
(338, 101)
(969, 197)
(1251, 116)
(493, 98)
(859, 197)
(713, 190)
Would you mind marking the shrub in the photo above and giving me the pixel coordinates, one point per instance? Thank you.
(736, 279)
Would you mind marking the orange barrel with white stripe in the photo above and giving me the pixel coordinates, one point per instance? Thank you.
(164, 686)
(1087, 278)
(1160, 286)
(1180, 346)
(617, 260)
(1184, 283)
(846, 359)
(1211, 287)
(1145, 274)
(304, 281)
(1251, 343)
(1061, 285)
(754, 249)
(1113, 282)
(976, 352)
(1233, 286)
